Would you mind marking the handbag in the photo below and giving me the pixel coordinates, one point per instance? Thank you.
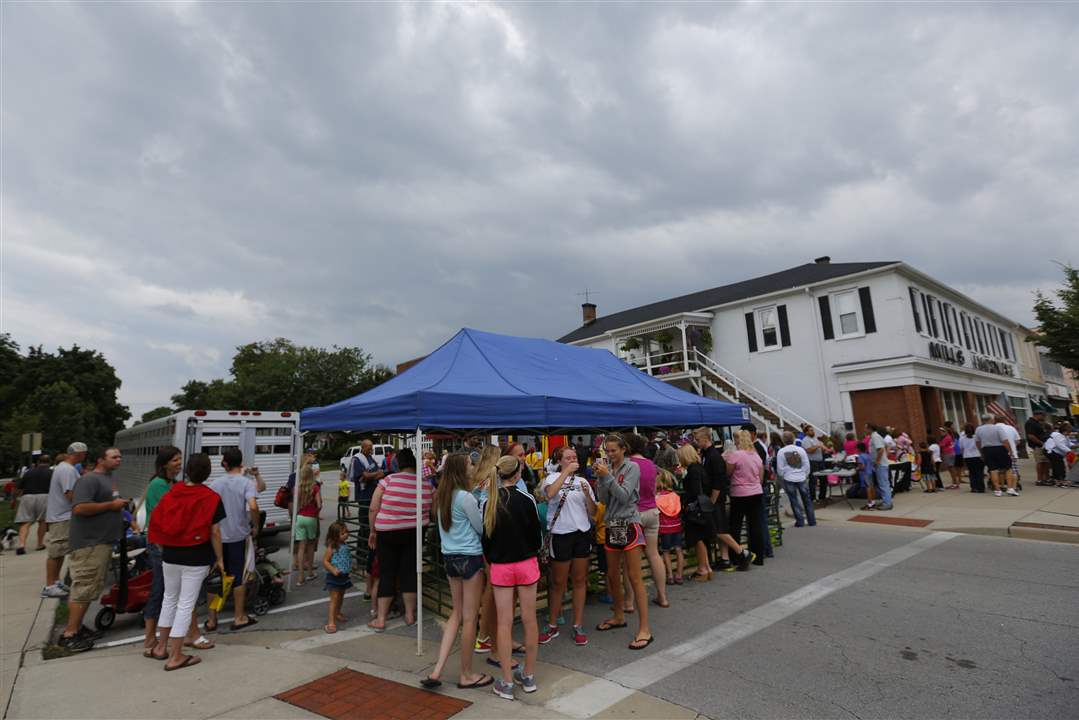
(698, 511)
(545, 551)
(282, 498)
(618, 533)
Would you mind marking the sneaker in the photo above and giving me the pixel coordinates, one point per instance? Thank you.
(882, 506)
(1012, 492)
(86, 632)
(52, 591)
(746, 559)
(870, 506)
(998, 493)
(579, 638)
(482, 646)
(503, 690)
(548, 635)
(20, 551)
(75, 643)
(528, 682)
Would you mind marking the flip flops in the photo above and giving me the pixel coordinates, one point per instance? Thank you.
(647, 641)
(484, 681)
(513, 666)
(250, 621)
(657, 603)
(201, 643)
(430, 683)
(188, 661)
(149, 653)
(329, 629)
(609, 625)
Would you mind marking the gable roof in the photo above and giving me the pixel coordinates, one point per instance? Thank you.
(808, 274)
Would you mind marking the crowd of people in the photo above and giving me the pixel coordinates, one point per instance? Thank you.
(506, 518)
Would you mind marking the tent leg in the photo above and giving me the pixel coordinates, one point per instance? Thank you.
(298, 438)
(419, 541)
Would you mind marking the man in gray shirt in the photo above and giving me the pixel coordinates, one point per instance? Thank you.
(996, 450)
(96, 523)
(57, 517)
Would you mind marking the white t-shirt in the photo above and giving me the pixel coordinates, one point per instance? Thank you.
(969, 447)
(1057, 443)
(574, 516)
(1013, 436)
(989, 435)
(889, 441)
(792, 464)
(935, 449)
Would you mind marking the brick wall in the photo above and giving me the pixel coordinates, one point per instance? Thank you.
(900, 407)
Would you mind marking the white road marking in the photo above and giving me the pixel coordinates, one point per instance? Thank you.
(225, 620)
(323, 639)
(618, 684)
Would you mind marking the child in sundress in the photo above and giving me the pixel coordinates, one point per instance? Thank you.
(338, 564)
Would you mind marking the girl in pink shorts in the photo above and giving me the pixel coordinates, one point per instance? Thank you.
(511, 543)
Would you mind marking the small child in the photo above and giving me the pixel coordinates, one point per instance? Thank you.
(865, 466)
(927, 468)
(670, 526)
(338, 564)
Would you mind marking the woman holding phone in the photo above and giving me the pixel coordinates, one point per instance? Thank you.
(618, 486)
(570, 507)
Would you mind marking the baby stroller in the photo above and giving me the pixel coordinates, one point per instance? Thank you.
(270, 584)
(132, 589)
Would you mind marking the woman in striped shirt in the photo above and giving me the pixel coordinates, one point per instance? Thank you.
(393, 536)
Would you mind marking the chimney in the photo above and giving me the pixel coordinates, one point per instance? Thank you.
(588, 312)
(822, 260)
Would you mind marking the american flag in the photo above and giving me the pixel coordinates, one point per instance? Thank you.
(1001, 407)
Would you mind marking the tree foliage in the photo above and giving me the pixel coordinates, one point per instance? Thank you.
(1059, 323)
(157, 412)
(67, 395)
(280, 375)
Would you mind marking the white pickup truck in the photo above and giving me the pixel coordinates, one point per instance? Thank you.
(379, 453)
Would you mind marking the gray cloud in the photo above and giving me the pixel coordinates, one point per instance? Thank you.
(182, 178)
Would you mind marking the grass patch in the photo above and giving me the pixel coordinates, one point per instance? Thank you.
(54, 652)
(7, 514)
(61, 614)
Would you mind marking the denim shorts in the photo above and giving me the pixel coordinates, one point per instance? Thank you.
(462, 566)
(671, 541)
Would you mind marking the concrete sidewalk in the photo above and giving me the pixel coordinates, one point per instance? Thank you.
(1040, 513)
(26, 617)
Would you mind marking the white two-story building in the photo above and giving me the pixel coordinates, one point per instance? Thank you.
(832, 344)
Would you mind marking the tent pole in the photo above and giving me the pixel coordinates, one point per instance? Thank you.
(419, 541)
(295, 502)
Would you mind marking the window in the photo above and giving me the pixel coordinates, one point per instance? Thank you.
(768, 320)
(1019, 408)
(847, 311)
(982, 345)
(954, 409)
(914, 309)
(273, 449)
(211, 449)
(966, 329)
(273, 431)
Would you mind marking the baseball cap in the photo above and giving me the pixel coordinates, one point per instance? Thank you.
(661, 436)
(76, 447)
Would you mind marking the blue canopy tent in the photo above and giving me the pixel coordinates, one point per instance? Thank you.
(484, 381)
(481, 380)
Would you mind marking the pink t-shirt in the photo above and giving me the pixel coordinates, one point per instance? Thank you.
(746, 477)
(398, 509)
(850, 447)
(947, 445)
(647, 498)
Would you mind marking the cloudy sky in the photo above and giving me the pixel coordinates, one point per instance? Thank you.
(182, 178)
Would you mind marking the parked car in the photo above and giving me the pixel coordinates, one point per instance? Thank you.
(379, 453)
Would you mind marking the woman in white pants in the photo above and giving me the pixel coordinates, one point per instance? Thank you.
(186, 526)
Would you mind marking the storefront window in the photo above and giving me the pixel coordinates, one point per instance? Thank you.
(954, 409)
(1019, 409)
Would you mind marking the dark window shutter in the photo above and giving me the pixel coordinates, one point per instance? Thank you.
(868, 320)
(751, 332)
(914, 309)
(784, 328)
(826, 317)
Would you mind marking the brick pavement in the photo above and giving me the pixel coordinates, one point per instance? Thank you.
(886, 520)
(359, 696)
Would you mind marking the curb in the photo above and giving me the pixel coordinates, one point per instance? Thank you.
(1047, 534)
(41, 633)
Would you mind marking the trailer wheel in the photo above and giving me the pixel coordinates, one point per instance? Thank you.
(104, 618)
(277, 595)
(260, 606)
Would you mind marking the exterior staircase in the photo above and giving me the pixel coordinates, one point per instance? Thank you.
(763, 408)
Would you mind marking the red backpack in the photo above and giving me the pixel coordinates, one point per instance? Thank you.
(184, 516)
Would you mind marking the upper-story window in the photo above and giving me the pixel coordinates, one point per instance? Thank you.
(769, 324)
(847, 313)
(767, 328)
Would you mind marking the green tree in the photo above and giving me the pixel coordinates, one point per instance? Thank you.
(217, 394)
(158, 412)
(59, 413)
(1059, 324)
(280, 375)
